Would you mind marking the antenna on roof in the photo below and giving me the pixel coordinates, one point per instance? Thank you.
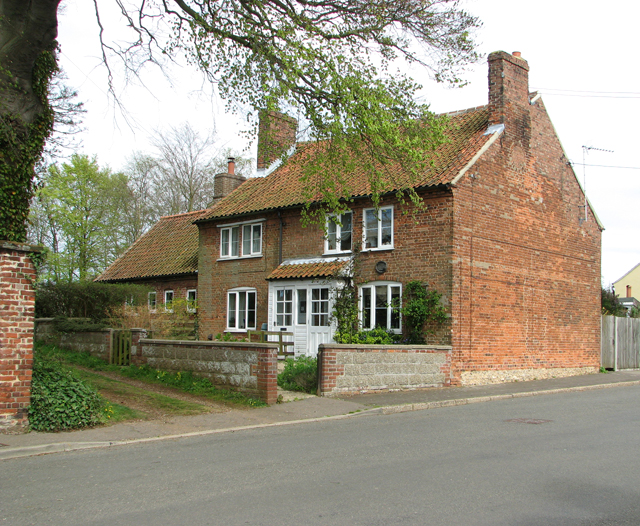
(585, 150)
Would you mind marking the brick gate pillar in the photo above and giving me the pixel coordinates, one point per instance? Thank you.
(17, 302)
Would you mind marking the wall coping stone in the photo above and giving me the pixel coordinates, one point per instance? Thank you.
(19, 247)
(254, 345)
(363, 346)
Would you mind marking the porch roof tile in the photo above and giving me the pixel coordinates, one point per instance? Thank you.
(307, 269)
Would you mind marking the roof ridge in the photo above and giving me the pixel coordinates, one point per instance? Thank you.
(186, 213)
(455, 113)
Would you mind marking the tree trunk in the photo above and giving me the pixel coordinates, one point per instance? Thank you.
(28, 30)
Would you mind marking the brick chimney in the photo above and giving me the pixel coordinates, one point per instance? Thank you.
(509, 95)
(276, 134)
(225, 183)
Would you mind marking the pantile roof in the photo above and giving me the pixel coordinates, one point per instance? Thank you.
(170, 248)
(316, 268)
(285, 186)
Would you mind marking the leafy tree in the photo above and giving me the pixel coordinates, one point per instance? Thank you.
(83, 208)
(331, 62)
(610, 304)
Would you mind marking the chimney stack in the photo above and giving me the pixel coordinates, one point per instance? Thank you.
(276, 134)
(509, 97)
(224, 184)
(508, 86)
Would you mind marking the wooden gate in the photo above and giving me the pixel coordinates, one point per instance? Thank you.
(620, 343)
(120, 347)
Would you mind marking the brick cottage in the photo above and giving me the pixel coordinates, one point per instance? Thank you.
(504, 236)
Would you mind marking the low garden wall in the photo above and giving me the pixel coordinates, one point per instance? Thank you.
(242, 366)
(370, 368)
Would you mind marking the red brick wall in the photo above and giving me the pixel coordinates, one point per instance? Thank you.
(423, 251)
(17, 299)
(178, 285)
(526, 267)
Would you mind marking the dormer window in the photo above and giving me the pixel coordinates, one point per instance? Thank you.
(339, 230)
(378, 228)
(241, 240)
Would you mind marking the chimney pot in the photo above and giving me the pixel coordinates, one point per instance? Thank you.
(232, 166)
(516, 54)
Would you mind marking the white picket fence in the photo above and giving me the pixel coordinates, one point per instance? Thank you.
(620, 343)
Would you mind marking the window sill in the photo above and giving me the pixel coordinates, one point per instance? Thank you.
(337, 253)
(256, 256)
(239, 331)
(377, 249)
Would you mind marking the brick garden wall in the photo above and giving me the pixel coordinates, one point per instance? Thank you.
(362, 368)
(17, 300)
(247, 367)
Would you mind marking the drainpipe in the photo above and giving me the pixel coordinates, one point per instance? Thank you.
(280, 241)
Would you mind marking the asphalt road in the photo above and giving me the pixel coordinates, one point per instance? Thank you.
(568, 459)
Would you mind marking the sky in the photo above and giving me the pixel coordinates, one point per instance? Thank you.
(583, 59)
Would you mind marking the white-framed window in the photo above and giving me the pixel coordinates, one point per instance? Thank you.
(192, 295)
(244, 240)
(339, 232)
(378, 228)
(252, 240)
(380, 303)
(152, 298)
(241, 309)
(284, 307)
(168, 300)
(320, 307)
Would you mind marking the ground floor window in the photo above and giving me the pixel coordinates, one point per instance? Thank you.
(320, 307)
(151, 301)
(241, 309)
(168, 300)
(191, 300)
(380, 305)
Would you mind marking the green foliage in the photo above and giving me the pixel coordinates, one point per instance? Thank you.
(60, 401)
(85, 299)
(83, 208)
(300, 374)
(421, 307)
(62, 324)
(634, 312)
(611, 305)
(345, 312)
(21, 145)
(377, 336)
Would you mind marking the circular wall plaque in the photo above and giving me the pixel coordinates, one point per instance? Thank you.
(381, 267)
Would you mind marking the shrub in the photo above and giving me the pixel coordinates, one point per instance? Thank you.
(300, 374)
(61, 324)
(60, 401)
(377, 336)
(85, 299)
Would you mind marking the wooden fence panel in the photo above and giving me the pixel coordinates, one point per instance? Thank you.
(620, 347)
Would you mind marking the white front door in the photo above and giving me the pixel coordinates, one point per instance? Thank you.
(319, 327)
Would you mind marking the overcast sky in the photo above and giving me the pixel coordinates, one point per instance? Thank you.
(582, 55)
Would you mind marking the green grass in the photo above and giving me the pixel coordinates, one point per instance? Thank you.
(183, 381)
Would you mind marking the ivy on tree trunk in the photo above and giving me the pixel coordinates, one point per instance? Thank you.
(28, 31)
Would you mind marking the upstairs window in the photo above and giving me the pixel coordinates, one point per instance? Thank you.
(241, 241)
(380, 306)
(339, 229)
(378, 228)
